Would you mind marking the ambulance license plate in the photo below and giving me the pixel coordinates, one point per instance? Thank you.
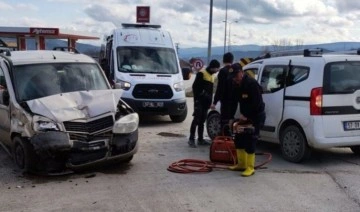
(351, 125)
(153, 104)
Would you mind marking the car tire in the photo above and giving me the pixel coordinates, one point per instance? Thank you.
(24, 154)
(294, 147)
(355, 150)
(213, 125)
(179, 118)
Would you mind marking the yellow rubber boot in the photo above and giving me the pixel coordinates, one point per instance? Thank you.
(250, 169)
(241, 161)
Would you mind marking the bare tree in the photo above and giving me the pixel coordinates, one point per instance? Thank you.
(286, 44)
(265, 50)
(299, 43)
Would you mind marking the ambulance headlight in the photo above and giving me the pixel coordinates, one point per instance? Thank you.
(122, 85)
(179, 86)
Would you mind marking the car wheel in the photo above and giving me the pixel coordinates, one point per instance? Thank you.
(213, 125)
(24, 154)
(294, 146)
(179, 118)
(355, 150)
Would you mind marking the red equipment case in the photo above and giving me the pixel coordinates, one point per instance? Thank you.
(222, 150)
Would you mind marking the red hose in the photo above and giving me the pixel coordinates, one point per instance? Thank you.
(187, 166)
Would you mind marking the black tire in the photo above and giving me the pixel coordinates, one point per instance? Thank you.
(213, 125)
(294, 147)
(179, 118)
(355, 150)
(24, 154)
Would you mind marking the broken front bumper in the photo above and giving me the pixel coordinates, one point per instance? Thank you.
(79, 154)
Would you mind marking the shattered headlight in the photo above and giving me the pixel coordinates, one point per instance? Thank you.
(126, 124)
(41, 124)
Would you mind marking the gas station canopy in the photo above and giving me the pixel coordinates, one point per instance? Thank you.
(40, 34)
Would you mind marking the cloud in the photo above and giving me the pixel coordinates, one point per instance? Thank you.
(181, 6)
(90, 25)
(337, 21)
(188, 22)
(348, 5)
(27, 7)
(24, 22)
(281, 9)
(259, 21)
(4, 6)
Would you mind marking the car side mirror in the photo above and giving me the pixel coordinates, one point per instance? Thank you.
(186, 72)
(4, 97)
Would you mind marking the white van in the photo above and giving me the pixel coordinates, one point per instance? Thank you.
(311, 101)
(142, 60)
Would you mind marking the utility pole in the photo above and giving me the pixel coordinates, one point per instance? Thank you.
(177, 47)
(226, 8)
(210, 32)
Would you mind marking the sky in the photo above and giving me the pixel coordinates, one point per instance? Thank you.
(261, 22)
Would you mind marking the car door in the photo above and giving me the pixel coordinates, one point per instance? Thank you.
(4, 111)
(271, 79)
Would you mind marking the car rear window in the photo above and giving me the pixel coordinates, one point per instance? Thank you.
(342, 77)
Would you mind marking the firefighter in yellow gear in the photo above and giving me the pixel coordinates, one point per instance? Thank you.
(248, 94)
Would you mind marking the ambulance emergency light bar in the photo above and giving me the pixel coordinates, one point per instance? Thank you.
(141, 26)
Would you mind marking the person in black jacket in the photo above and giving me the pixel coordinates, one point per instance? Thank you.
(203, 92)
(224, 91)
(252, 111)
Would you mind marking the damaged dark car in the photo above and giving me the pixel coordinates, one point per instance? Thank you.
(58, 112)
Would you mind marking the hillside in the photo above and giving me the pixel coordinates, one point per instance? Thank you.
(256, 50)
(217, 52)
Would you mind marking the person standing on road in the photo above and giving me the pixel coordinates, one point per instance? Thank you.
(252, 111)
(203, 92)
(224, 92)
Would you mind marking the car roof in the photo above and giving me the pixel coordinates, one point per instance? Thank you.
(325, 58)
(47, 56)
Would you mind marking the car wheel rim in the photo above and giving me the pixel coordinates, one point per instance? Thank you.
(213, 127)
(292, 144)
(19, 156)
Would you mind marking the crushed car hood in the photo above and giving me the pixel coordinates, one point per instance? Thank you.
(76, 105)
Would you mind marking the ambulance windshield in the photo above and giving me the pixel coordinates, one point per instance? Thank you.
(147, 60)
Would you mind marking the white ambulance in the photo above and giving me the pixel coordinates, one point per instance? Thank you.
(142, 60)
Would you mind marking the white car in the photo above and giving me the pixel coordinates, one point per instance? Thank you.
(58, 111)
(311, 101)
